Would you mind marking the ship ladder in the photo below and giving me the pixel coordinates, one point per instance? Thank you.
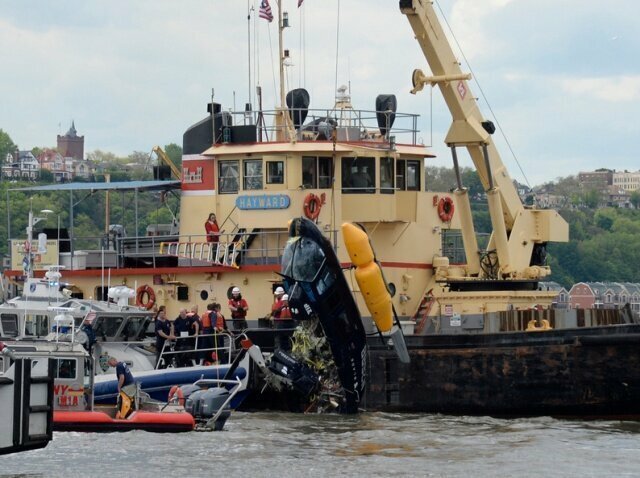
(422, 314)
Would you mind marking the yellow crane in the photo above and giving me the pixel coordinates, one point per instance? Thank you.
(520, 233)
(162, 156)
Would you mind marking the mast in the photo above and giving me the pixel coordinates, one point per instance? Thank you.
(284, 126)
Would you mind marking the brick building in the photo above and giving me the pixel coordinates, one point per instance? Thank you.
(71, 145)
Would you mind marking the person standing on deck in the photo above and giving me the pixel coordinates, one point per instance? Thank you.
(239, 308)
(127, 386)
(212, 229)
(182, 326)
(164, 331)
(282, 320)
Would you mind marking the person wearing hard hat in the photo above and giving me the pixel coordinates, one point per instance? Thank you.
(277, 304)
(239, 308)
(282, 319)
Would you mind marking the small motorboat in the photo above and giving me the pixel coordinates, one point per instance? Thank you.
(73, 392)
(170, 419)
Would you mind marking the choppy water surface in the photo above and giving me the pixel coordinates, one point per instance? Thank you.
(371, 444)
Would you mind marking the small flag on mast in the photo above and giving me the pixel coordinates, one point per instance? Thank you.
(300, 3)
(265, 11)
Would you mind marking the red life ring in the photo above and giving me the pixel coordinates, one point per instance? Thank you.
(176, 392)
(312, 206)
(445, 209)
(140, 297)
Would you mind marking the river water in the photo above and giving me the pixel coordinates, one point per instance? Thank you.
(370, 444)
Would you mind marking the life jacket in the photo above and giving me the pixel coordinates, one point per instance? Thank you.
(206, 320)
(221, 324)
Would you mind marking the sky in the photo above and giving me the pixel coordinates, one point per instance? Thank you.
(560, 77)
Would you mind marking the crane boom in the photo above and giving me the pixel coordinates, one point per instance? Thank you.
(517, 231)
(167, 160)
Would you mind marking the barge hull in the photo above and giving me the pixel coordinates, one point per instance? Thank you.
(590, 372)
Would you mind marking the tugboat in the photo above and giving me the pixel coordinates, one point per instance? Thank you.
(481, 335)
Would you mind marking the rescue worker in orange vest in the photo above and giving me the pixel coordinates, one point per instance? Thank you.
(282, 320)
(206, 341)
(239, 308)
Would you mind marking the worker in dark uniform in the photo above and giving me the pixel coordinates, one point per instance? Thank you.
(182, 328)
(127, 388)
(164, 332)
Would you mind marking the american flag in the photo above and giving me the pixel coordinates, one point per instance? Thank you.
(265, 11)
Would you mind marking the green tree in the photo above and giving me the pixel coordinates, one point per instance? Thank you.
(6, 145)
(591, 198)
(46, 176)
(175, 154)
(635, 198)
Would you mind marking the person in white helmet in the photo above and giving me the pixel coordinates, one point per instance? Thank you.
(282, 320)
(277, 303)
(239, 308)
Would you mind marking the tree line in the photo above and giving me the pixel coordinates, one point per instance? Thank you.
(604, 243)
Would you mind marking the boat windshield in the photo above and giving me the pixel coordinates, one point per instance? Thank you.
(302, 259)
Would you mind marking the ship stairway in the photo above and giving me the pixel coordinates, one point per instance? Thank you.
(422, 314)
(245, 237)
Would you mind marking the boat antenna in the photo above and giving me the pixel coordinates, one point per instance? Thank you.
(335, 86)
(249, 10)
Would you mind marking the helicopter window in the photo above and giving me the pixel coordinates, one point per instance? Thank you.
(386, 175)
(228, 174)
(303, 259)
(252, 174)
(66, 369)
(275, 172)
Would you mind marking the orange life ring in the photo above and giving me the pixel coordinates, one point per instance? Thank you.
(445, 209)
(312, 206)
(151, 296)
(176, 392)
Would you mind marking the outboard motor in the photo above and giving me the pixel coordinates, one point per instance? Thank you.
(386, 107)
(193, 403)
(302, 378)
(210, 402)
(298, 101)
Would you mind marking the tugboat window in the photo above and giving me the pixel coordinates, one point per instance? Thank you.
(325, 170)
(309, 172)
(413, 175)
(358, 175)
(252, 175)
(317, 172)
(401, 180)
(386, 175)
(407, 175)
(228, 174)
(275, 172)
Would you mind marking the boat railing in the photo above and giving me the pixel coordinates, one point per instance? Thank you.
(349, 125)
(233, 250)
(196, 345)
